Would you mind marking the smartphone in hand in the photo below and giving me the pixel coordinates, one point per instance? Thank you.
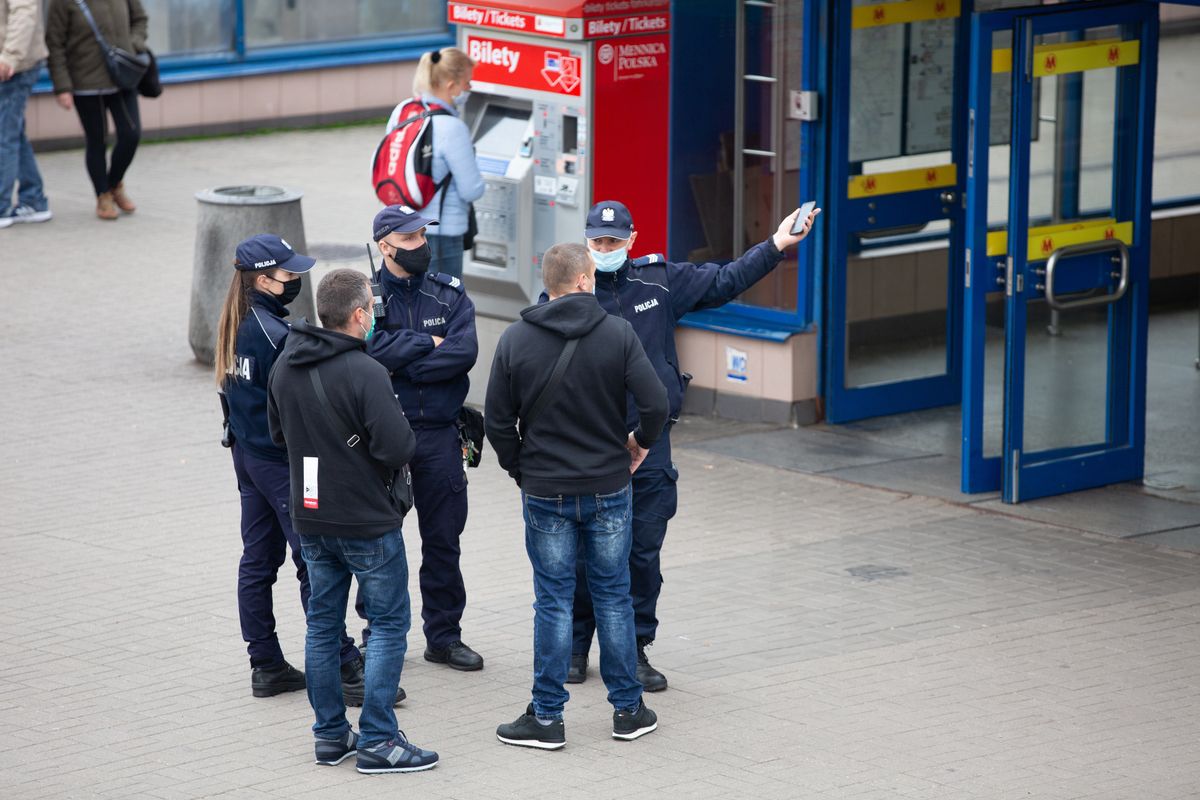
(802, 218)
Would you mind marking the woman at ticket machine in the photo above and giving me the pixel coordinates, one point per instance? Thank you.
(442, 83)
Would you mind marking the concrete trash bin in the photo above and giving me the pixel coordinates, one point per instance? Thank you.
(226, 216)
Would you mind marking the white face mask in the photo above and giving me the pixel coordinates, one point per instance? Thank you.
(460, 99)
(610, 261)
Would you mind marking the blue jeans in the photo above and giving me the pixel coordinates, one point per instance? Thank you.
(556, 528)
(16, 156)
(447, 252)
(381, 569)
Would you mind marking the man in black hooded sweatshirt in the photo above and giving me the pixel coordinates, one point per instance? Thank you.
(555, 415)
(332, 406)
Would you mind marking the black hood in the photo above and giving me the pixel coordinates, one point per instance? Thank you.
(570, 316)
(308, 344)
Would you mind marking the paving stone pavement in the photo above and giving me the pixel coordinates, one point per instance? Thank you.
(822, 638)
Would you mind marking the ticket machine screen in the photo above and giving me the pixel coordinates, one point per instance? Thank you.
(501, 130)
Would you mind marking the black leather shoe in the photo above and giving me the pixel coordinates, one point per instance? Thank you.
(651, 679)
(270, 681)
(354, 684)
(456, 655)
(577, 672)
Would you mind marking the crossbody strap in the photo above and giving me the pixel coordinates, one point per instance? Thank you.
(338, 423)
(87, 14)
(547, 393)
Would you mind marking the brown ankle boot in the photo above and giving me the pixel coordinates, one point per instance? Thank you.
(105, 208)
(122, 200)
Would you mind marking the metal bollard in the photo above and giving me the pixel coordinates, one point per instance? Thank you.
(225, 217)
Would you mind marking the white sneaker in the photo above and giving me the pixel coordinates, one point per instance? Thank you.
(28, 214)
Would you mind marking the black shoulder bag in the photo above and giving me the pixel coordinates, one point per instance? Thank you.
(400, 486)
(548, 391)
(126, 69)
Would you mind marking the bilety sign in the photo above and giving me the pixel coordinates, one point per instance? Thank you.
(471, 14)
(526, 66)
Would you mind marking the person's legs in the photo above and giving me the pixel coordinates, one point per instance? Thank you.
(381, 569)
(272, 479)
(263, 551)
(440, 492)
(128, 123)
(330, 580)
(607, 537)
(551, 537)
(90, 109)
(16, 156)
(583, 616)
(655, 500)
(32, 192)
(447, 255)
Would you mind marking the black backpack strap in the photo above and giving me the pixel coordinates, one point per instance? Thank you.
(87, 14)
(547, 393)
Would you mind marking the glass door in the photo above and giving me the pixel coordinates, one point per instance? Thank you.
(892, 315)
(1069, 260)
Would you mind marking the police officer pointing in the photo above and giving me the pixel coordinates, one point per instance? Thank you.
(654, 295)
(426, 340)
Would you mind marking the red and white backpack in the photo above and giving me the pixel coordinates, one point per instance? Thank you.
(402, 170)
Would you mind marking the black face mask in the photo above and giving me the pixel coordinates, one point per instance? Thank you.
(291, 290)
(414, 262)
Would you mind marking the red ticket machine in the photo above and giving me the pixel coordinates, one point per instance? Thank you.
(569, 106)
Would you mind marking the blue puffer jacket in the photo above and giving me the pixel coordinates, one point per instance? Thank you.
(260, 340)
(430, 382)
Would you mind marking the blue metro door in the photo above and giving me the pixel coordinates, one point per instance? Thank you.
(891, 325)
(1057, 247)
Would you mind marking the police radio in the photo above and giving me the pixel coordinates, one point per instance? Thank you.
(377, 308)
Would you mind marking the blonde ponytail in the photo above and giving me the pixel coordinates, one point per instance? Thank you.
(439, 67)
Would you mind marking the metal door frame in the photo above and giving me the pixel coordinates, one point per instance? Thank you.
(1067, 469)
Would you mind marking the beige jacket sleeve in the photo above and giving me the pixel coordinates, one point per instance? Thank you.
(20, 34)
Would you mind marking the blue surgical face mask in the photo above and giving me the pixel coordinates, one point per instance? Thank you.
(611, 261)
(460, 99)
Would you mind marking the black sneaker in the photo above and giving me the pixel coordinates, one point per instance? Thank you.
(455, 655)
(526, 731)
(398, 755)
(354, 684)
(577, 672)
(331, 752)
(629, 725)
(270, 681)
(651, 679)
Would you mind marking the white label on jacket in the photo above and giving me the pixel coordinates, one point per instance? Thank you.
(310, 482)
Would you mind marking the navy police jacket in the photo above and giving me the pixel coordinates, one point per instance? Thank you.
(431, 383)
(260, 340)
(654, 294)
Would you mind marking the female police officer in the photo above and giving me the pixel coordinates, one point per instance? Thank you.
(250, 337)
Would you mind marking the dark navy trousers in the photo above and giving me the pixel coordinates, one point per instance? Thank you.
(654, 503)
(440, 495)
(266, 535)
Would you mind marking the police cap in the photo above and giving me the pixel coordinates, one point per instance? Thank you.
(398, 219)
(609, 218)
(268, 250)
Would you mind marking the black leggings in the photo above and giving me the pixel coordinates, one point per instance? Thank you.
(124, 109)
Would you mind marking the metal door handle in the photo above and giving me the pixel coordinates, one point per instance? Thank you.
(1083, 250)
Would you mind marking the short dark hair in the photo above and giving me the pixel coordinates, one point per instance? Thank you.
(339, 293)
(562, 264)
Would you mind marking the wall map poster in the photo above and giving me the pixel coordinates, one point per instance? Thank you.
(876, 92)
(930, 112)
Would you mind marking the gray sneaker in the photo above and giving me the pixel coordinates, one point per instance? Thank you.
(398, 755)
(331, 752)
(25, 213)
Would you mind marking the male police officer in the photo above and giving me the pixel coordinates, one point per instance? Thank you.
(426, 340)
(653, 295)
